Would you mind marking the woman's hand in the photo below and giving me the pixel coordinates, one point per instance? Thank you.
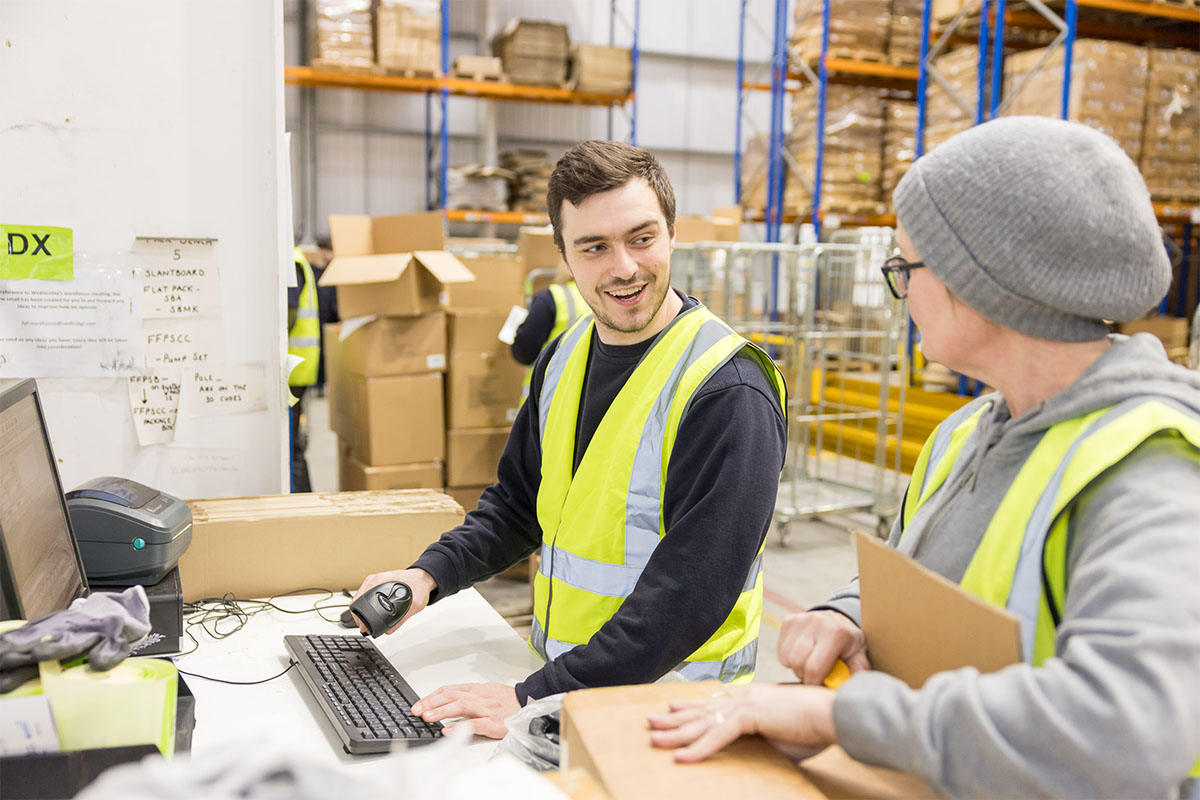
(810, 642)
(797, 719)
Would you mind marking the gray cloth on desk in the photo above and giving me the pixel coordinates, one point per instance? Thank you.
(104, 627)
(1117, 713)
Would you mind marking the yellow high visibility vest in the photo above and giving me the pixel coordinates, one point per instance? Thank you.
(569, 306)
(600, 525)
(304, 337)
(1027, 536)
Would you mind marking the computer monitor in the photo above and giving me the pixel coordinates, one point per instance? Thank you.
(40, 565)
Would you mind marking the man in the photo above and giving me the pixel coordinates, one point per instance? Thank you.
(1070, 496)
(551, 311)
(644, 466)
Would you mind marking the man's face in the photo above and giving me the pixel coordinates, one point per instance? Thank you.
(618, 248)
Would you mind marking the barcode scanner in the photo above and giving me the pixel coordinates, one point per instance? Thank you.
(382, 606)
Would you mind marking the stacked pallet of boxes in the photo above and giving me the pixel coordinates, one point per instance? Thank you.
(408, 36)
(754, 173)
(857, 29)
(342, 35)
(853, 163)
(1108, 88)
(904, 33)
(601, 69)
(531, 176)
(534, 52)
(483, 382)
(945, 117)
(386, 361)
(899, 143)
(1171, 148)
(475, 186)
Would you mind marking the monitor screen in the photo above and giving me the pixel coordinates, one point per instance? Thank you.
(41, 568)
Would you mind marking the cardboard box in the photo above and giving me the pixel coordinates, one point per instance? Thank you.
(1172, 331)
(390, 266)
(396, 419)
(499, 285)
(388, 345)
(605, 732)
(263, 546)
(472, 455)
(483, 390)
(355, 476)
(466, 496)
(536, 247)
(475, 331)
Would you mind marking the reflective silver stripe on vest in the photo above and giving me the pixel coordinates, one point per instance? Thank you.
(645, 481)
(295, 342)
(942, 442)
(306, 313)
(554, 372)
(752, 577)
(569, 296)
(1190, 789)
(739, 664)
(1025, 595)
(549, 649)
(611, 580)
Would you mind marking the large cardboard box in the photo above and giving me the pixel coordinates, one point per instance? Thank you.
(499, 285)
(396, 419)
(355, 476)
(388, 345)
(536, 247)
(1172, 331)
(390, 265)
(263, 546)
(483, 388)
(472, 455)
(605, 733)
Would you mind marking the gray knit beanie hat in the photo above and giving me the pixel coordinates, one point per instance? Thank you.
(1040, 225)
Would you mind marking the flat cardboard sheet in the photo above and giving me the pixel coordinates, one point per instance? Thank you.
(917, 623)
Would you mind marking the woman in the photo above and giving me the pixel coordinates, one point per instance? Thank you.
(1071, 495)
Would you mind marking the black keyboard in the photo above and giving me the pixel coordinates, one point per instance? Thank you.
(363, 695)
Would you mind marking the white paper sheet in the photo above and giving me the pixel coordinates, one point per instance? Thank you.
(225, 389)
(154, 401)
(89, 327)
(182, 342)
(180, 277)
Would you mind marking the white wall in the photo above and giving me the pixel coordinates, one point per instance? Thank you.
(370, 145)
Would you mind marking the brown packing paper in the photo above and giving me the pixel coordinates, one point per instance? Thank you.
(917, 623)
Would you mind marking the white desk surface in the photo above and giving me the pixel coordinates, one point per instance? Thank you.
(460, 639)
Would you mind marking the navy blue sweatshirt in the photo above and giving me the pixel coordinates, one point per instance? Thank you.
(719, 496)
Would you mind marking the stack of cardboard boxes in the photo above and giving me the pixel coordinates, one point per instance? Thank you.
(534, 52)
(476, 186)
(944, 116)
(904, 33)
(754, 173)
(408, 36)
(857, 29)
(602, 69)
(531, 170)
(386, 361)
(1108, 88)
(342, 35)
(853, 164)
(899, 143)
(1171, 148)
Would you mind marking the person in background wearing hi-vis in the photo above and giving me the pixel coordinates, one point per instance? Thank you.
(551, 311)
(644, 466)
(304, 341)
(1070, 496)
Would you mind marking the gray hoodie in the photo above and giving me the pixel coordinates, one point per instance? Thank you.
(1117, 712)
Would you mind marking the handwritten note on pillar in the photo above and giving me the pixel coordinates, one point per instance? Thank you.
(179, 277)
(179, 342)
(226, 389)
(154, 399)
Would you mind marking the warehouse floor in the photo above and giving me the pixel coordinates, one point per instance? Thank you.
(817, 558)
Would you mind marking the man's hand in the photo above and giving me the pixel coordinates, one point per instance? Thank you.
(485, 705)
(418, 580)
(810, 642)
(797, 719)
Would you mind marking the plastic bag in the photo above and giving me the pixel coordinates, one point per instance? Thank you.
(533, 733)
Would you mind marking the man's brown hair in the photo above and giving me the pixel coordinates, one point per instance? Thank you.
(597, 166)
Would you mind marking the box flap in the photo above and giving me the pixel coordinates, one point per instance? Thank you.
(404, 233)
(350, 234)
(349, 270)
(445, 267)
(954, 627)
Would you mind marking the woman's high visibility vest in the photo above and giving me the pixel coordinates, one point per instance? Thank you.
(569, 306)
(600, 525)
(1021, 561)
(304, 338)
